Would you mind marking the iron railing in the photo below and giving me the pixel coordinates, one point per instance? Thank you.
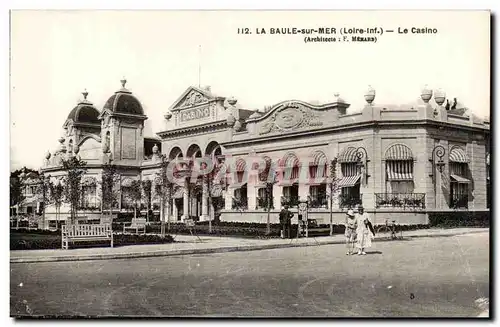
(240, 203)
(459, 201)
(400, 200)
(319, 201)
(262, 202)
(291, 201)
(351, 201)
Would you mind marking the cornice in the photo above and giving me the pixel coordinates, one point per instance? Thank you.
(196, 129)
(356, 125)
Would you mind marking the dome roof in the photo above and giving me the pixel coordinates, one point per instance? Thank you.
(124, 102)
(85, 112)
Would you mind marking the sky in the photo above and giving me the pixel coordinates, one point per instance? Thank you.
(55, 55)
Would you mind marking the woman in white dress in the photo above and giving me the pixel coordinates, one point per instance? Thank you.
(364, 234)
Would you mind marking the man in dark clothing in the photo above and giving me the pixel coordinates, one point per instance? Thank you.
(287, 220)
(283, 221)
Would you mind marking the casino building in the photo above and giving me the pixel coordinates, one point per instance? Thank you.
(400, 162)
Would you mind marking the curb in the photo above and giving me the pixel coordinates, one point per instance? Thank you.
(167, 253)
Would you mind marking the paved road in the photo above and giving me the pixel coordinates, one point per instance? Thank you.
(429, 277)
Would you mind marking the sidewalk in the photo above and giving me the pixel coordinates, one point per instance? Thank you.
(209, 244)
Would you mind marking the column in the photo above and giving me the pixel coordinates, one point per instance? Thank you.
(167, 210)
(185, 203)
(228, 203)
(174, 210)
(277, 192)
(252, 191)
(303, 191)
(204, 202)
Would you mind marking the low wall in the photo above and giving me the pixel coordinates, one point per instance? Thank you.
(323, 216)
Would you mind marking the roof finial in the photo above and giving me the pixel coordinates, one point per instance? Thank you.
(123, 81)
(85, 94)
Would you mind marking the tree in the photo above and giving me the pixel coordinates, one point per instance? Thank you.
(134, 195)
(211, 180)
(56, 192)
(110, 179)
(43, 190)
(163, 189)
(75, 169)
(16, 190)
(147, 188)
(270, 177)
(334, 187)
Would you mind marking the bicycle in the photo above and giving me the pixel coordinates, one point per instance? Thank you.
(390, 230)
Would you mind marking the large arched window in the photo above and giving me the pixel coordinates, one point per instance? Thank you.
(459, 178)
(318, 171)
(241, 193)
(400, 185)
(290, 166)
(349, 184)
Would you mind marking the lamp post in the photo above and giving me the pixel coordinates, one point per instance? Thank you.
(437, 162)
(437, 158)
(362, 156)
(303, 212)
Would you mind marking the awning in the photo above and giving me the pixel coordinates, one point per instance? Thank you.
(458, 155)
(348, 155)
(399, 171)
(349, 181)
(318, 158)
(460, 179)
(398, 152)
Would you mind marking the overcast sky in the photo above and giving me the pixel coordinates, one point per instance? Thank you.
(55, 55)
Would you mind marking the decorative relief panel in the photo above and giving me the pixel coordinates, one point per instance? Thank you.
(128, 141)
(193, 98)
(290, 116)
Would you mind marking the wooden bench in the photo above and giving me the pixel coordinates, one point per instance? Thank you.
(137, 224)
(81, 233)
(312, 226)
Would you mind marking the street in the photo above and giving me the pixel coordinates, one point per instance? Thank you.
(425, 277)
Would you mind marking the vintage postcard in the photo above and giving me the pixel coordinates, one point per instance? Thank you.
(253, 164)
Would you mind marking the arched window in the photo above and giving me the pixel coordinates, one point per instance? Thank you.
(349, 184)
(459, 178)
(318, 171)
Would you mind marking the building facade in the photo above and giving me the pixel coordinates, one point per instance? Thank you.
(399, 162)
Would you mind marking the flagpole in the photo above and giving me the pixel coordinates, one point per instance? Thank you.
(199, 65)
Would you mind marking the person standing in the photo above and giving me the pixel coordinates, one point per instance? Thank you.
(283, 215)
(287, 218)
(364, 231)
(350, 231)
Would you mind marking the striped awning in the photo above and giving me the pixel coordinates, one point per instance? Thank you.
(458, 154)
(398, 152)
(460, 179)
(290, 160)
(399, 176)
(217, 191)
(318, 158)
(399, 170)
(348, 155)
(178, 193)
(349, 181)
(241, 165)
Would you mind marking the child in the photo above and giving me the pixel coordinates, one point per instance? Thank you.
(350, 231)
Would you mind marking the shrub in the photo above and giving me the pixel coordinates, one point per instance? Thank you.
(32, 241)
(460, 219)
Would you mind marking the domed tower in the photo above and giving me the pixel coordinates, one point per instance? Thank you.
(83, 120)
(122, 124)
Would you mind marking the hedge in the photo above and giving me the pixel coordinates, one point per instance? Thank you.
(460, 219)
(52, 240)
